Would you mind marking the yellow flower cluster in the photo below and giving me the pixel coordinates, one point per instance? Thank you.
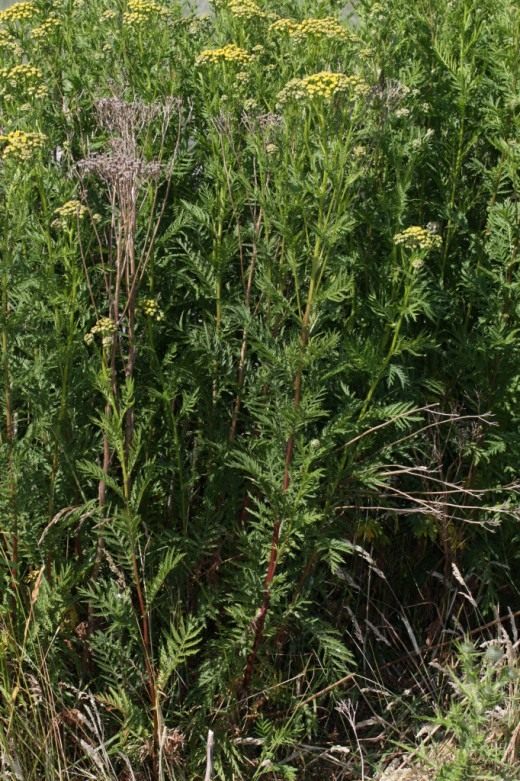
(25, 77)
(150, 308)
(328, 27)
(105, 328)
(288, 26)
(45, 28)
(416, 237)
(246, 9)
(19, 12)
(70, 209)
(140, 11)
(229, 53)
(325, 84)
(8, 42)
(20, 146)
(106, 16)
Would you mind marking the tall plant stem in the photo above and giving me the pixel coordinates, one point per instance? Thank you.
(390, 352)
(59, 443)
(243, 346)
(346, 454)
(144, 623)
(12, 546)
(465, 65)
(453, 194)
(318, 266)
(259, 621)
(217, 266)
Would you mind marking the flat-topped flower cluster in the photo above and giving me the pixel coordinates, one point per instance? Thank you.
(150, 308)
(45, 28)
(416, 237)
(229, 53)
(105, 327)
(246, 9)
(20, 145)
(325, 84)
(9, 43)
(141, 11)
(70, 210)
(23, 77)
(19, 12)
(327, 27)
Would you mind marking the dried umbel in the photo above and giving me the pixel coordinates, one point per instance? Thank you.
(265, 127)
(263, 123)
(223, 124)
(173, 745)
(119, 167)
(124, 118)
(122, 165)
(390, 96)
(269, 121)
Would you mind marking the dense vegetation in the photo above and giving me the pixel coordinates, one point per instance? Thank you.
(259, 350)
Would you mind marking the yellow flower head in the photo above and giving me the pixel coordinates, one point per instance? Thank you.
(71, 210)
(9, 43)
(19, 145)
(419, 238)
(150, 308)
(246, 9)
(23, 77)
(325, 84)
(45, 28)
(141, 11)
(323, 28)
(19, 12)
(104, 328)
(229, 53)
(288, 26)
(328, 28)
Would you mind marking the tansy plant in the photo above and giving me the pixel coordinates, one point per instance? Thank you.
(259, 403)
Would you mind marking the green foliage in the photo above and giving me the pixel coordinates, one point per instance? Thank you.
(480, 720)
(260, 375)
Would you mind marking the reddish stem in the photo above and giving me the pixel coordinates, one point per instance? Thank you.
(259, 621)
